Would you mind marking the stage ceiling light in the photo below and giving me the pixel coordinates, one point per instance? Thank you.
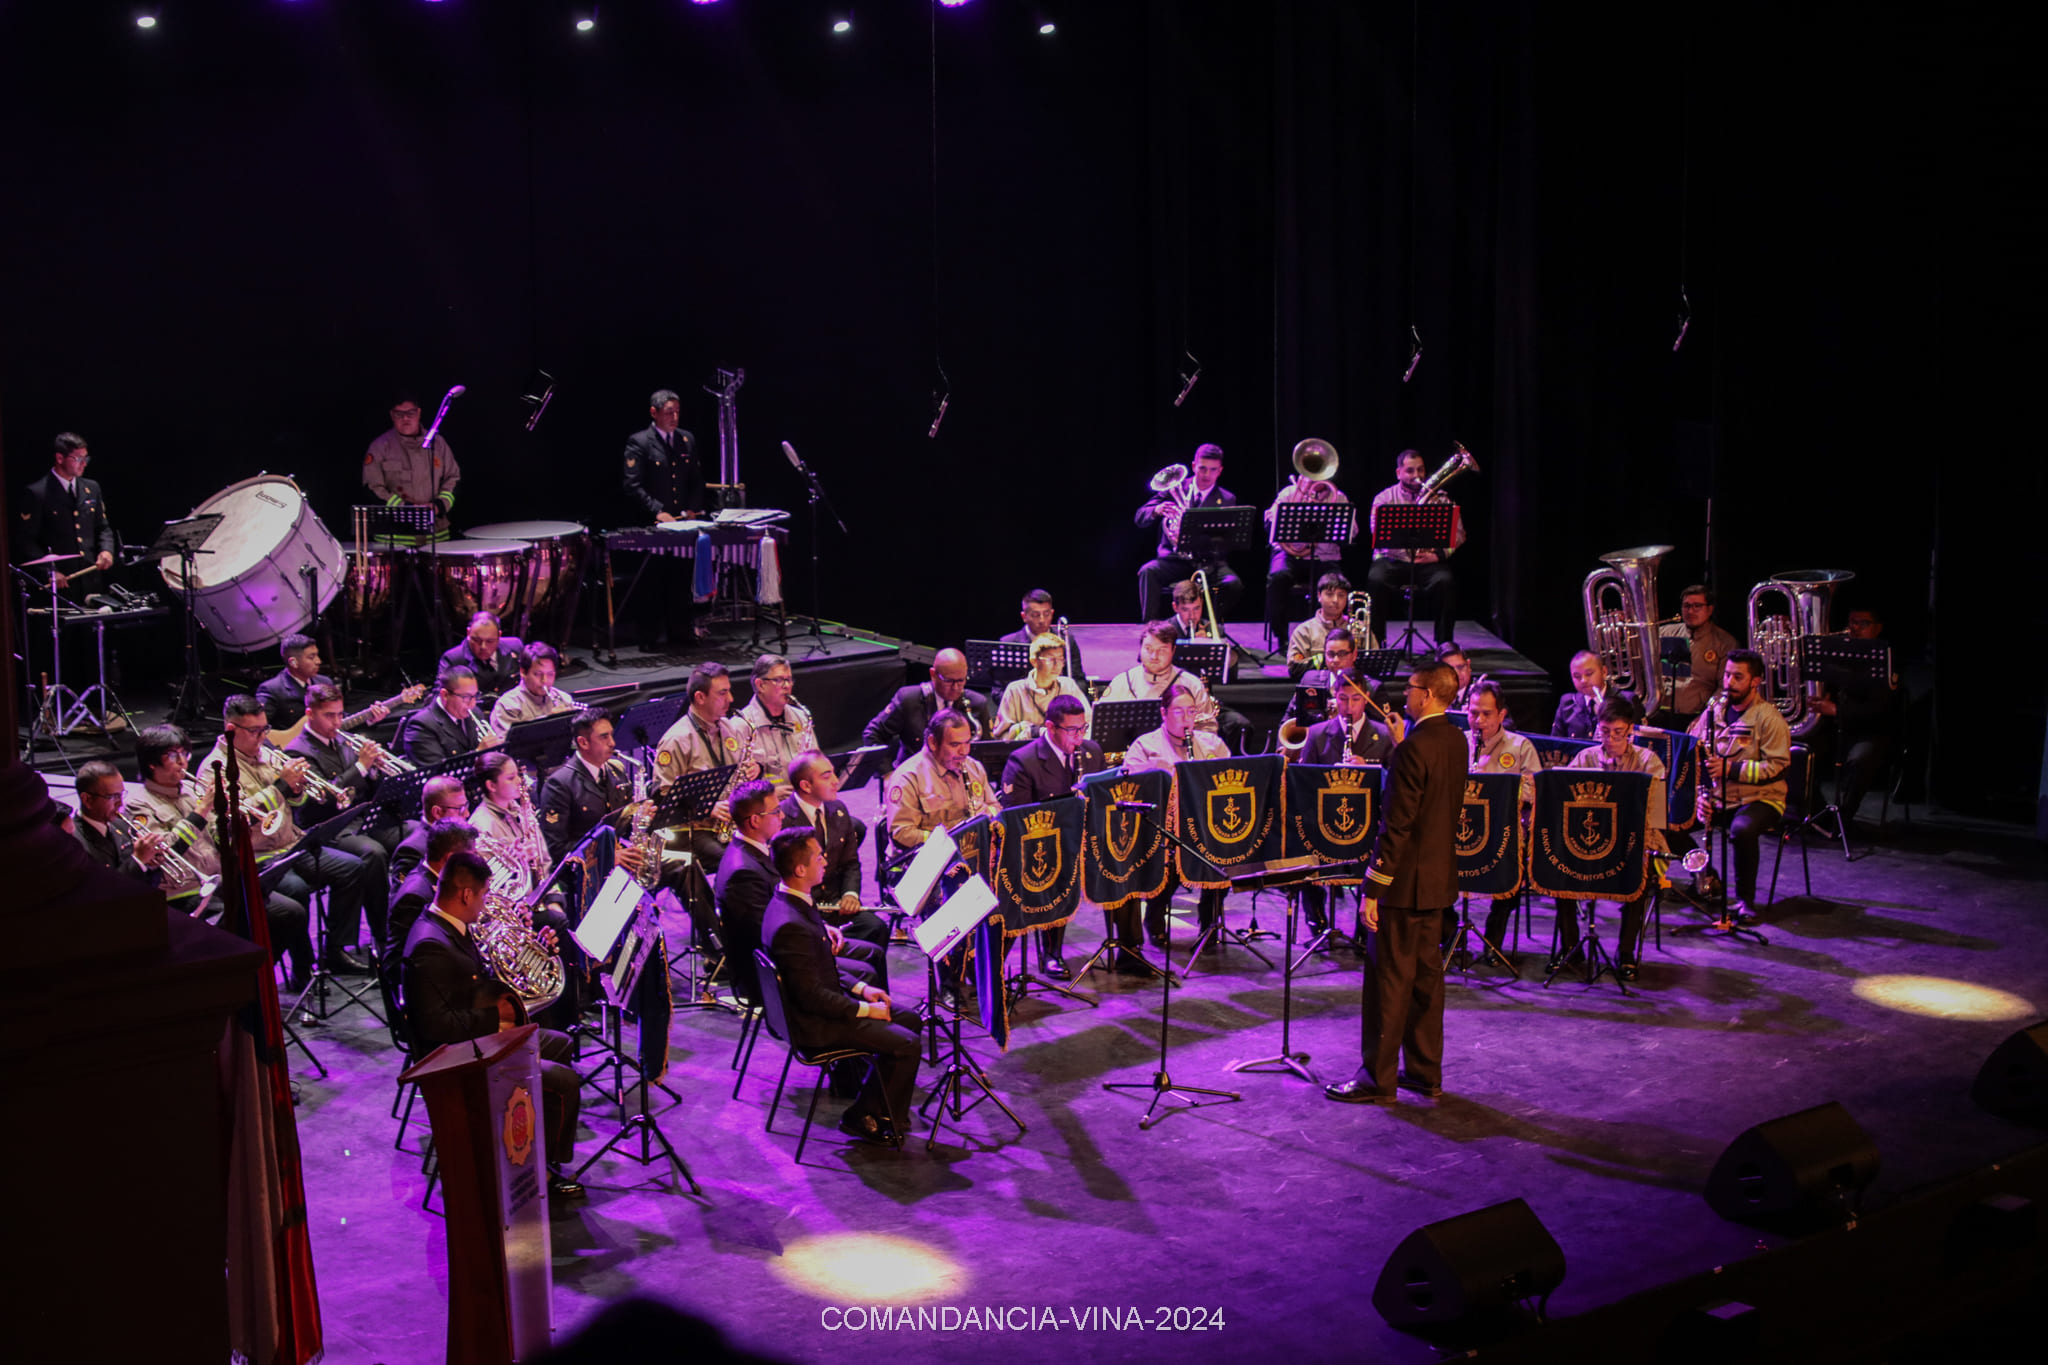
(1048, 28)
(952, 4)
(587, 21)
(145, 21)
(869, 1267)
(1939, 997)
(842, 25)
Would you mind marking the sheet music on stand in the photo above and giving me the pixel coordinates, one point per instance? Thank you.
(543, 742)
(993, 663)
(1314, 523)
(1414, 526)
(643, 724)
(616, 902)
(1217, 531)
(857, 766)
(1843, 662)
(385, 522)
(1114, 724)
(927, 865)
(940, 932)
(688, 800)
(1206, 659)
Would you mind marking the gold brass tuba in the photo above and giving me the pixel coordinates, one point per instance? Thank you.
(1315, 458)
(1621, 620)
(1808, 594)
(1461, 462)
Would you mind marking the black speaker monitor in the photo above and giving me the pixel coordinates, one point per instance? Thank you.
(2013, 1082)
(1808, 1165)
(1490, 1259)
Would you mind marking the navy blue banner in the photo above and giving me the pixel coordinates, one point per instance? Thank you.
(1489, 836)
(1038, 864)
(1228, 810)
(1589, 834)
(1124, 855)
(1332, 813)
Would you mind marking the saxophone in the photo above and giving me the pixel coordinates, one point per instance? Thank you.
(644, 838)
(723, 828)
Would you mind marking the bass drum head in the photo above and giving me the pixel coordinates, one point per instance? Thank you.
(250, 589)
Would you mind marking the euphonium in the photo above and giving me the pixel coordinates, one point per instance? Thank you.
(1461, 461)
(1623, 632)
(1808, 594)
(1178, 483)
(504, 935)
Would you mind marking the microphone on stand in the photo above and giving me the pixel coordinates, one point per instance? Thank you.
(794, 459)
(427, 441)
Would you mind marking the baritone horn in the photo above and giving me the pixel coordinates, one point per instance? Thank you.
(1178, 483)
(1621, 620)
(1315, 458)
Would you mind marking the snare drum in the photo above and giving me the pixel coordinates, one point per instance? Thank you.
(250, 589)
(481, 575)
(547, 607)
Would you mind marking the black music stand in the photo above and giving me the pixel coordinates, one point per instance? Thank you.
(310, 840)
(992, 754)
(1162, 1084)
(544, 742)
(642, 725)
(1413, 526)
(1840, 662)
(184, 538)
(1590, 949)
(395, 525)
(1290, 883)
(620, 990)
(1206, 659)
(857, 766)
(1114, 724)
(993, 664)
(1382, 664)
(815, 492)
(1218, 532)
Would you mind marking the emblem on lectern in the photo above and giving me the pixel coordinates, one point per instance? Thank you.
(518, 1126)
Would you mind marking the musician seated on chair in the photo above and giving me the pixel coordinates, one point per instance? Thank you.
(1291, 567)
(746, 882)
(1036, 611)
(439, 840)
(1452, 656)
(101, 797)
(1578, 710)
(1745, 748)
(441, 798)
(824, 1012)
(283, 693)
(1617, 752)
(447, 726)
(705, 736)
(1049, 767)
(181, 808)
(591, 785)
(904, 720)
(1179, 555)
(1177, 740)
(484, 651)
(1157, 673)
(1869, 718)
(1305, 641)
(781, 726)
(509, 839)
(353, 771)
(814, 801)
(1389, 573)
(1022, 712)
(1493, 747)
(942, 785)
(272, 781)
(451, 997)
(536, 696)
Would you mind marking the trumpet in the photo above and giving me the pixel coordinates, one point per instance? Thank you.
(1178, 483)
(177, 864)
(316, 784)
(261, 810)
(387, 763)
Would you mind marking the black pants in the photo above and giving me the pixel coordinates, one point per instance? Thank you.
(1627, 948)
(1434, 583)
(1866, 759)
(897, 1054)
(1208, 909)
(1402, 1007)
(559, 1097)
(1500, 914)
(345, 879)
(1157, 577)
(1746, 826)
(289, 933)
(376, 902)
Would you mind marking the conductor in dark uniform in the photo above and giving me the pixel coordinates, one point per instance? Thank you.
(665, 481)
(451, 997)
(1415, 872)
(65, 513)
(1046, 769)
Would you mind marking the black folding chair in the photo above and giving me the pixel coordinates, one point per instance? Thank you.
(1799, 795)
(775, 1018)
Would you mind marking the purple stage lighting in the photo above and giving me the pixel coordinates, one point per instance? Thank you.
(952, 4)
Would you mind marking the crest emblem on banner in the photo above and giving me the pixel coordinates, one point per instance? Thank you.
(1590, 821)
(1043, 856)
(970, 847)
(1342, 811)
(1233, 806)
(1121, 827)
(1475, 822)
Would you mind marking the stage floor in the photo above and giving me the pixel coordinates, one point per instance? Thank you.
(1605, 1112)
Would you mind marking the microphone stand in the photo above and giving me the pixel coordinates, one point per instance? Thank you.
(1725, 924)
(1161, 1085)
(817, 498)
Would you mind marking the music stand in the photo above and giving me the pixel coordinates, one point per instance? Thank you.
(309, 841)
(407, 526)
(1413, 526)
(642, 725)
(1161, 1085)
(992, 754)
(1207, 659)
(938, 935)
(1114, 724)
(688, 800)
(621, 987)
(991, 664)
(184, 538)
(857, 766)
(1841, 662)
(1382, 664)
(1290, 882)
(544, 741)
(1209, 535)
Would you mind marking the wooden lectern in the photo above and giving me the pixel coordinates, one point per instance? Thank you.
(484, 1100)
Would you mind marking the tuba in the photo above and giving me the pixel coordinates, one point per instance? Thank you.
(1315, 459)
(1461, 462)
(1807, 594)
(1621, 621)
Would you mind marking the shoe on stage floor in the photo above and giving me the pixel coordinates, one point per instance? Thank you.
(1358, 1090)
(1056, 968)
(1428, 1092)
(865, 1128)
(563, 1187)
(348, 960)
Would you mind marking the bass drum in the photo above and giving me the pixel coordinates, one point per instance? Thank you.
(547, 606)
(480, 575)
(250, 589)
